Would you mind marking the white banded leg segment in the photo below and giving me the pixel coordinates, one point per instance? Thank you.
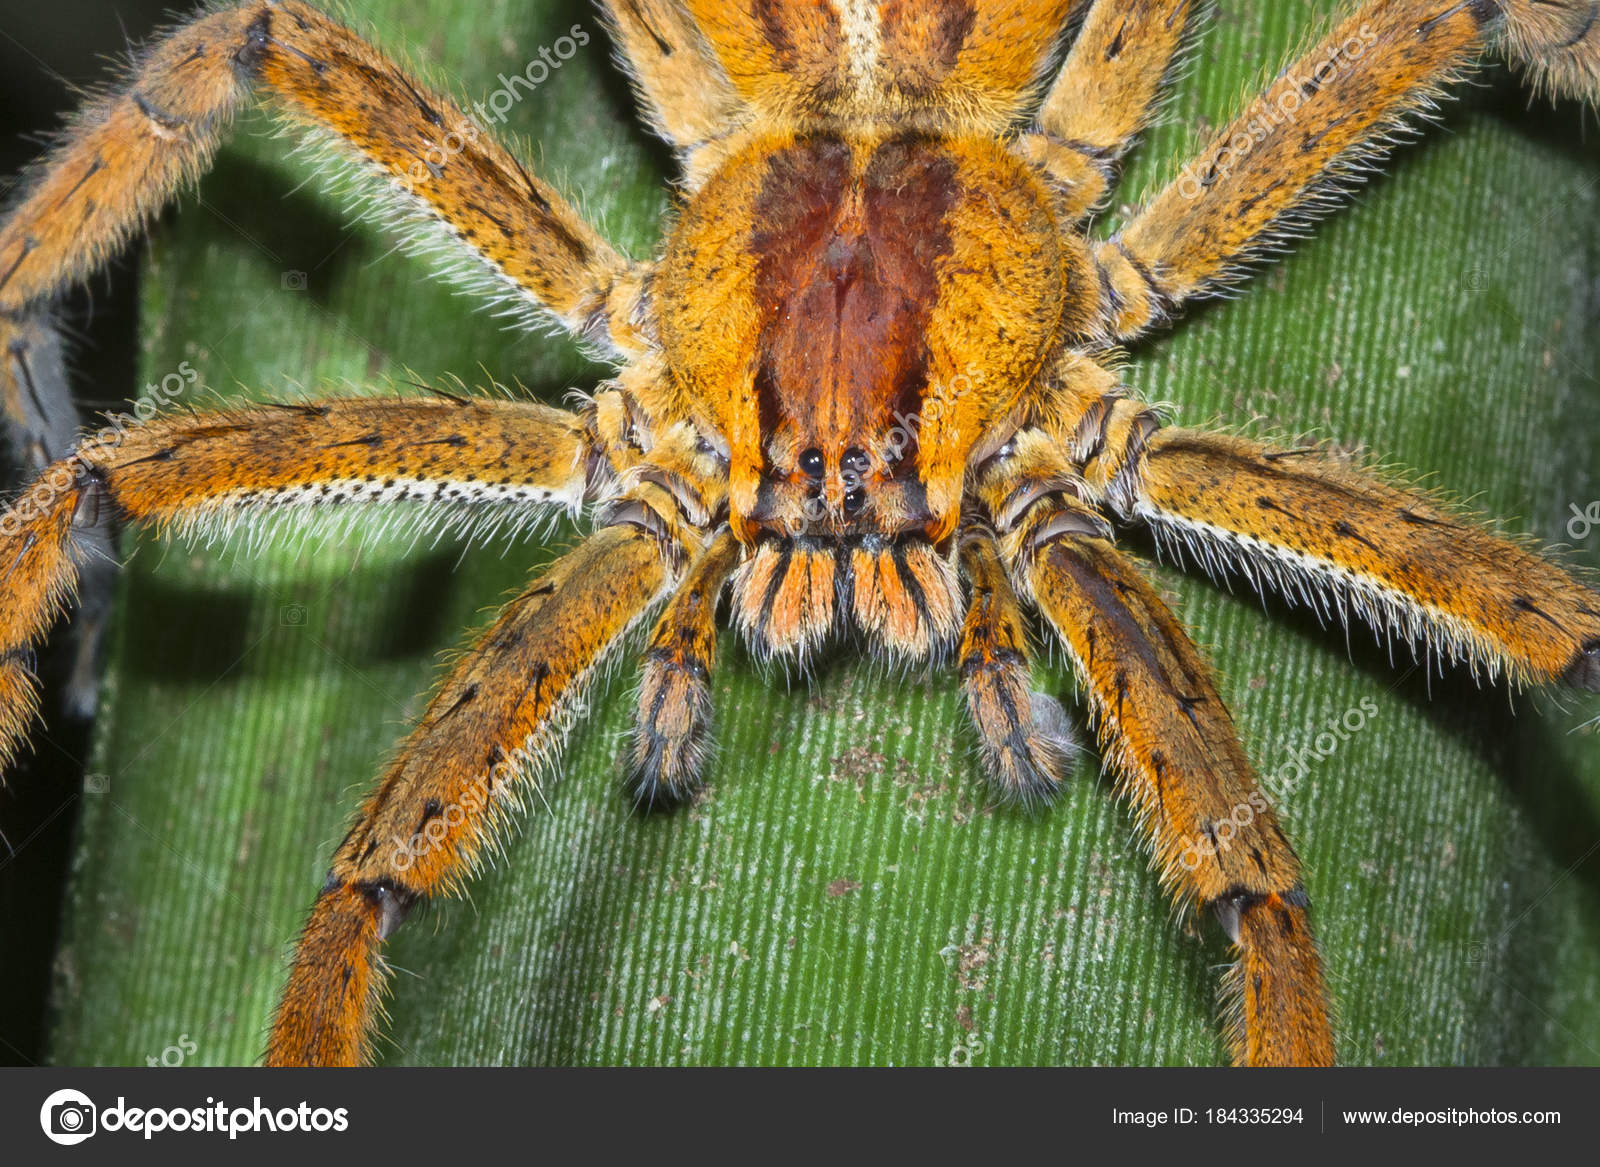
(1349, 544)
(460, 462)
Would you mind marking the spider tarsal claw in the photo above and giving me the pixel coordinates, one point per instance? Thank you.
(393, 901)
(1227, 912)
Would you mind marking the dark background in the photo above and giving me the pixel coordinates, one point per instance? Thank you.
(49, 54)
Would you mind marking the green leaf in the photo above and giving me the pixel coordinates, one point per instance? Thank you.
(847, 893)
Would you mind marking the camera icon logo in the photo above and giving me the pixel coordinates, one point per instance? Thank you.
(68, 1117)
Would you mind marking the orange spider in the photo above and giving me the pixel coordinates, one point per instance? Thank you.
(867, 387)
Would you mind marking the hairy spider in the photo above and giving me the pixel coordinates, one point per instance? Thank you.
(868, 387)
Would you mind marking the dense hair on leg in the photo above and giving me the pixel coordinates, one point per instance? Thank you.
(1354, 546)
(1024, 738)
(1557, 42)
(494, 724)
(671, 741)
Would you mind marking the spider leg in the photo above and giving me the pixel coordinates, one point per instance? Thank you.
(502, 712)
(671, 736)
(1023, 736)
(38, 415)
(686, 94)
(41, 424)
(934, 64)
(192, 474)
(1105, 95)
(1315, 132)
(436, 168)
(1557, 42)
(1310, 527)
(1166, 732)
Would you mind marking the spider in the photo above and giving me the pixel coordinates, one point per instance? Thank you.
(868, 388)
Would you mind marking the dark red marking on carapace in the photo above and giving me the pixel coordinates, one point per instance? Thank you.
(847, 278)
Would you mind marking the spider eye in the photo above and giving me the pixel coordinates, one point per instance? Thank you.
(854, 500)
(811, 463)
(855, 465)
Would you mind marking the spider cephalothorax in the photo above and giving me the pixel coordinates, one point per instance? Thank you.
(868, 387)
(854, 378)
